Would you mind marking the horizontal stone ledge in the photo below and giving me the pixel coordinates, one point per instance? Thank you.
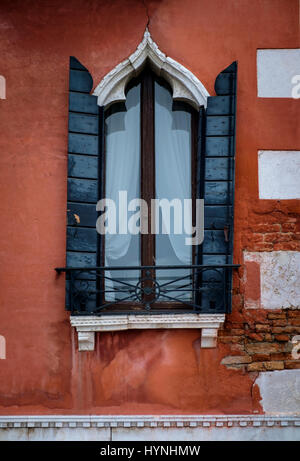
(87, 326)
(144, 421)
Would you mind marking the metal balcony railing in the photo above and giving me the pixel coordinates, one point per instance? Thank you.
(149, 289)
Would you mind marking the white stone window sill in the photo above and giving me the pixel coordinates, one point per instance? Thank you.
(86, 327)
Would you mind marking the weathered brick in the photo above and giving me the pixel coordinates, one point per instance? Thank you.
(288, 329)
(262, 328)
(227, 331)
(288, 227)
(260, 357)
(274, 365)
(236, 359)
(257, 238)
(253, 317)
(268, 337)
(280, 323)
(282, 337)
(264, 228)
(237, 332)
(280, 356)
(256, 366)
(276, 315)
(294, 314)
(263, 246)
(255, 336)
(287, 246)
(230, 339)
(272, 237)
(278, 237)
(237, 348)
(292, 364)
(295, 321)
(263, 348)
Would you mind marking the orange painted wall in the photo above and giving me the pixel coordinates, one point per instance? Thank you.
(130, 372)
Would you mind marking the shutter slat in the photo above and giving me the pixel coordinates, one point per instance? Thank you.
(75, 259)
(83, 103)
(83, 144)
(83, 123)
(82, 190)
(214, 242)
(215, 217)
(217, 168)
(219, 125)
(86, 213)
(81, 239)
(221, 105)
(82, 166)
(218, 146)
(80, 81)
(216, 193)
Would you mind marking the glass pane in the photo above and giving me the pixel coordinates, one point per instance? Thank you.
(172, 181)
(122, 173)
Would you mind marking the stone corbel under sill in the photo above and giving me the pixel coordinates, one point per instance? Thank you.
(86, 327)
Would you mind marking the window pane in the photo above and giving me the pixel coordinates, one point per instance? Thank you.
(172, 181)
(122, 173)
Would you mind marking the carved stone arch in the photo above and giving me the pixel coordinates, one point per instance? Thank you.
(185, 86)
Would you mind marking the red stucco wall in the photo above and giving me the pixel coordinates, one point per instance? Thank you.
(130, 372)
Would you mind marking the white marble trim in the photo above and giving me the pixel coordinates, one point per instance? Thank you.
(185, 85)
(141, 421)
(86, 326)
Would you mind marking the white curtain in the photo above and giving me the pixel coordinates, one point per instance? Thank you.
(173, 180)
(173, 162)
(123, 174)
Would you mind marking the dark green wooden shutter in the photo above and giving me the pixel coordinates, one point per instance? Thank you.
(217, 125)
(84, 145)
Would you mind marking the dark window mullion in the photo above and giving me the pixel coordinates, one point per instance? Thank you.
(147, 176)
(147, 162)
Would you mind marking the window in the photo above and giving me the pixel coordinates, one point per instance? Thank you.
(152, 137)
(150, 150)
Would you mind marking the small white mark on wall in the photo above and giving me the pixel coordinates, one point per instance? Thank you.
(2, 348)
(280, 392)
(279, 279)
(278, 174)
(276, 71)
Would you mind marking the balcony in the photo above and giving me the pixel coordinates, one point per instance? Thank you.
(121, 297)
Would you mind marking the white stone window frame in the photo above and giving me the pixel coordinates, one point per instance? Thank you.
(185, 87)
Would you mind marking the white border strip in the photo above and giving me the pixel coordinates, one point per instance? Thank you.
(140, 421)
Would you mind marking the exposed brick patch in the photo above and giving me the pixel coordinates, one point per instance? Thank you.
(273, 236)
(260, 340)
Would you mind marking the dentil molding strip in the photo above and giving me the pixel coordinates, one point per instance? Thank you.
(86, 421)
